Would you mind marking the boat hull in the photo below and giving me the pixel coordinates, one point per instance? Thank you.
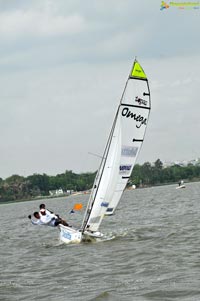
(109, 213)
(69, 235)
(180, 187)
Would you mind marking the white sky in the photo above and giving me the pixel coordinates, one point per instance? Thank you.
(63, 66)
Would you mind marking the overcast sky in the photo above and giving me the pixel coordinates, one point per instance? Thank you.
(63, 67)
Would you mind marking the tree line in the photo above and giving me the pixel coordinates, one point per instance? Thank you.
(17, 187)
(155, 174)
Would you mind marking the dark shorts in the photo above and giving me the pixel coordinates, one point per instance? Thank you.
(55, 221)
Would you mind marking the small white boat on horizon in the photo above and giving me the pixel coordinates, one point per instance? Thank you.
(180, 185)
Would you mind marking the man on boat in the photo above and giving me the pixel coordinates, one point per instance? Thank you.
(49, 219)
(47, 214)
(43, 206)
(40, 220)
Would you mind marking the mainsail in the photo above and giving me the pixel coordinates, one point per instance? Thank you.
(122, 149)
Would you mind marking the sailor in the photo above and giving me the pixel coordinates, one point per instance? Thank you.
(40, 220)
(47, 215)
(43, 208)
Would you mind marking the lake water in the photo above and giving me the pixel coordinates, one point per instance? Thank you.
(151, 250)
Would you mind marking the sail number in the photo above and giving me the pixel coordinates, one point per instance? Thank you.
(67, 235)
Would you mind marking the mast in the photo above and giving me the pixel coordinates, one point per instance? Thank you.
(99, 174)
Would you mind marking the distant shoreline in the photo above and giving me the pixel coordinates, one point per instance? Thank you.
(88, 192)
(44, 197)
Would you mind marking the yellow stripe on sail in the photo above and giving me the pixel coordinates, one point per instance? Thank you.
(137, 71)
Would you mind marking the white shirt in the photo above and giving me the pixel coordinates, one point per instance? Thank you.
(37, 222)
(48, 219)
(44, 220)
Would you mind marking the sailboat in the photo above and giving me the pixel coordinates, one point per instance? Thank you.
(180, 185)
(120, 154)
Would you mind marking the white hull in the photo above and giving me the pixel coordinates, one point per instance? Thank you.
(108, 213)
(181, 186)
(69, 235)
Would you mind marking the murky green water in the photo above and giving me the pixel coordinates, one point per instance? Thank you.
(151, 251)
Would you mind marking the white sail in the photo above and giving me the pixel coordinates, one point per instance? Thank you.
(122, 149)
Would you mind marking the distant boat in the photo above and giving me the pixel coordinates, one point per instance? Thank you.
(180, 185)
(122, 148)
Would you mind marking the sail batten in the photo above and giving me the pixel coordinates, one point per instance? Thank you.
(134, 106)
(122, 149)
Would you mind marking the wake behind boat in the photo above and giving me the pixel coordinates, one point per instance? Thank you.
(121, 151)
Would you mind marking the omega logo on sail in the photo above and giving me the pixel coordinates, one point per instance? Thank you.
(138, 118)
